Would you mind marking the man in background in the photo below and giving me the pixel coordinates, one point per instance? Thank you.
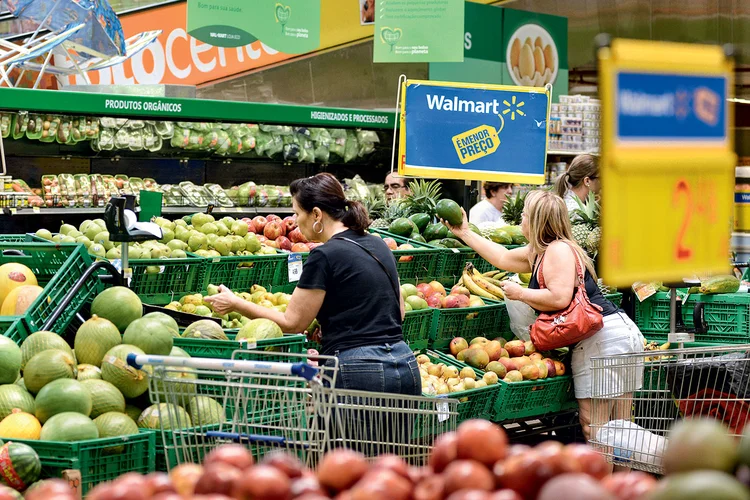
(395, 187)
(491, 208)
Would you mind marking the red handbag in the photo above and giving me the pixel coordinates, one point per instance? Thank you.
(579, 321)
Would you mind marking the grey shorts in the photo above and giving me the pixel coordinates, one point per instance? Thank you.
(619, 335)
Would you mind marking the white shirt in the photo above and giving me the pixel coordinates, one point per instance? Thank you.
(484, 211)
(570, 200)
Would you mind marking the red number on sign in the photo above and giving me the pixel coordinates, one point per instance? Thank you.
(682, 187)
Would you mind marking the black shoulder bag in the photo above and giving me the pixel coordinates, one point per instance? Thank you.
(394, 284)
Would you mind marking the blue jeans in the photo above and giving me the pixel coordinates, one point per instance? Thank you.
(390, 368)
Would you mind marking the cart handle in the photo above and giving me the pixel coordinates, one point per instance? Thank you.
(300, 369)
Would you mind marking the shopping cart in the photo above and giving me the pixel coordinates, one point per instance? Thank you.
(638, 397)
(290, 406)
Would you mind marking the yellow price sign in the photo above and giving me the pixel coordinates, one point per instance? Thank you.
(476, 143)
(668, 161)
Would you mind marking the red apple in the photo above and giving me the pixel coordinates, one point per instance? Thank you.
(434, 301)
(300, 248)
(290, 222)
(260, 223)
(391, 243)
(273, 230)
(284, 243)
(313, 245)
(262, 238)
(426, 290)
(272, 244)
(296, 236)
(273, 217)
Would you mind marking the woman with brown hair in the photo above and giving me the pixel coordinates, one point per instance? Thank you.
(553, 253)
(350, 285)
(581, 178)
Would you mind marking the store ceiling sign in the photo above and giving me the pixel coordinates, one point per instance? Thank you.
(220, 22)
(474, 132)
(290, 26)
(409, 31)
(667, 161)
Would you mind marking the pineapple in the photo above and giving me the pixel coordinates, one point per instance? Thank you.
(512, 209)
(585, 225)
(423, 198)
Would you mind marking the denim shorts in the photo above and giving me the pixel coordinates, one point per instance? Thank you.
(390, 368)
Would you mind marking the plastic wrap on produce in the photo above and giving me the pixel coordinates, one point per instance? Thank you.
(338, 141)
(366, 140)
(106, 140)
(356, 188)
(352, 147)
(165, 130)
(136, 139)
(20, 122)
(218, 194)
(5, 124)
(180, 138)
(135, 124)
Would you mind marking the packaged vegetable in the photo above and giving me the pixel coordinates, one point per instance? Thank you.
(20, 121)
(34, 127)
(106, 141)
(180, 138)
(63, 131)
(135, 124)
(6, 121)
(122, 139)
(245, 195)
(165, 130)
(274, 146)
(338, 142)
(277, 129)
(135, 140)
(350, 152)
(366, 140)
(218, 194)
(196, 195)
(50, 125)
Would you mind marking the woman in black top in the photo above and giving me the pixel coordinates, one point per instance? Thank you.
(553, 252)
(351, 285)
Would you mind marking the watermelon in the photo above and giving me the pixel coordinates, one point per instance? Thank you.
(150, 335)
(8, 493)
(13, 396)
(118, 304)
(115, 370)
(133, 412)
(10, 361)
(204, 329)
(69, 426)
(164, 416)
(62, 395)
(20, 383)
(166, 320)
(42, 341)
(173, 387)
(94, 338)
(20, 465)
(105, 397)
(48, 366)
(180, 353)
(89, 372)
(113, 424)
(205, 411)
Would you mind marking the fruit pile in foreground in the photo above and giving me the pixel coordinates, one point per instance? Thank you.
(18, 289)
(433, 294)
(442, 378)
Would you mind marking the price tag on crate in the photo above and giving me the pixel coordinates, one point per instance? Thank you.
(36, 210)
(248, 343)
(443, 412)
(294, 262)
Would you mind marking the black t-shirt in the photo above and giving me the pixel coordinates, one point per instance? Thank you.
(360, 306)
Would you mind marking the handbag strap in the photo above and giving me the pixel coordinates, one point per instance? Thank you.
(394, 284)
(579, 270)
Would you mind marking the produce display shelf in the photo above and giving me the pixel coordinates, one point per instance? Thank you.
(727, 316)
(532, 398)
(473, 403)
(417, 327)
(223, 349)
(160, 281)
(43, 257)
(489, 320)
(241, 272)
(166, 210)
(414, 266)
(98, 460)
(15, 328)
(13, 238)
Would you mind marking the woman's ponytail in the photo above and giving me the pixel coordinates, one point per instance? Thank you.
(356, 217)
(561, 185)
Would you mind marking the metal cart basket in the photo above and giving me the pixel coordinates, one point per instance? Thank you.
(638, 397)
(290, 406)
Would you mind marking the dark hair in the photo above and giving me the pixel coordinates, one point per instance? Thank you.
(490, 187)
(581, 167)
(325, 192)
(405, 181)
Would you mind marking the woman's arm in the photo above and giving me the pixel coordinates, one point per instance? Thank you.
(559, 280)
(300, 312)
(515, 261)
(401, 304)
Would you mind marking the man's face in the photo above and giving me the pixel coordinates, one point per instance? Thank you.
(395, 187)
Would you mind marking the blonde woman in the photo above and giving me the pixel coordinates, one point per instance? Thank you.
(546, 225)
(581, 178)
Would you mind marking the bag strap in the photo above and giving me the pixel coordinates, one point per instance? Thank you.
(394, 284)
(579, 269)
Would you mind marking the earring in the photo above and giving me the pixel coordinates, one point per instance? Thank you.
(316, 231)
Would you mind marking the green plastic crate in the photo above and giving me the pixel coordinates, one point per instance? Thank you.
(418, 265)
(223, 349)
(467, 322)
(14, 238)
(196, 444)
(44, 259)
(15, 328)
(239, 273)
(417, 326)
(96, 459)
(727, 316)
(160, 281)
(473, 403)
(531, 398)
(615, 298)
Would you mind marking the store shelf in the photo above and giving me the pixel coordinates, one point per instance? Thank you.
(572, 153)
(165, 211)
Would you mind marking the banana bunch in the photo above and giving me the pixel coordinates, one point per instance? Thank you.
(654, 346)
(497, 276)
(478, 284)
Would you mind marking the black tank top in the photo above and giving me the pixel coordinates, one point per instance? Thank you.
(592, 290)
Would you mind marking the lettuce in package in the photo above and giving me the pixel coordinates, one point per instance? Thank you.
(165, 130)
(135, 124)
(246, 143)
(274, 146)
(277, 129)
(292, 149)
(122, 139)
(151, 140)
(106, 141)
(180, 138)
(366, 140)
(352, 147)
(135, 138)
(338, 141)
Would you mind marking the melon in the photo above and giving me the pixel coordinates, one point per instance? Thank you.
(8, 493)
(260, 329)
(94, 338)
(19, 299)
(172, 385)
(10, 361)
(13, 275)
(179, 353)
(133, 412)
(42, 341)
(48, 366)
(150, 335)
(205, 411)
(20, 425)
(105, 397)
(114, 424)
(20, 383)
(69, 426)
(118, 304)
(164, 416)
(204, 329)
(165, 319)
(62, 395)
(21, 465)
(88, 372)
(13, 396)
(115, 370)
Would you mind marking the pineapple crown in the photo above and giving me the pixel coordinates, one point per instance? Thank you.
(513, 208)
(586, 213)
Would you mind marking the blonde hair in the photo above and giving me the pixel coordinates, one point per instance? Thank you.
(581, 167)
(548, 220)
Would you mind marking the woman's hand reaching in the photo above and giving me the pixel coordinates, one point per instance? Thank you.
(512, 291)
(223, 302)
(460, 230)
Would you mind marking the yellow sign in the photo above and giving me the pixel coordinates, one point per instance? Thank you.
(477, 142)
(668, 161)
